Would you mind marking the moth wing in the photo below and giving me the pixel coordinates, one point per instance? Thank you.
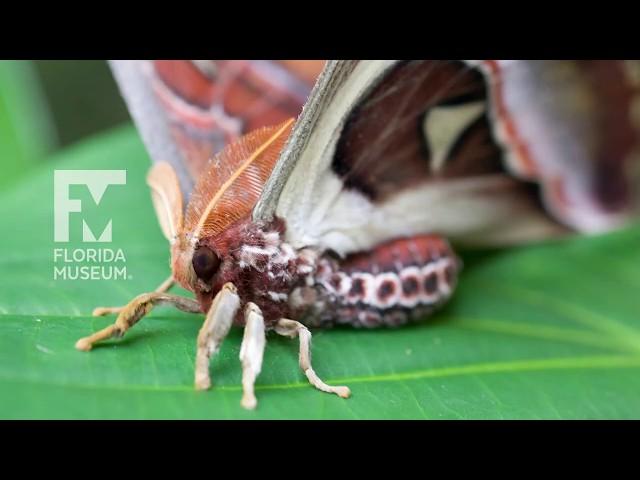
(573, 127)
(385, 149)
(188, 110)
(139, 86)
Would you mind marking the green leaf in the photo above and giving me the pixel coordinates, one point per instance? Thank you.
(548, 331)
(26, 130)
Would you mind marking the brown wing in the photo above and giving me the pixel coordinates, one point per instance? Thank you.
(188, 110)
(423, 121)
(386, 149)
(392, 148)
(572, 126)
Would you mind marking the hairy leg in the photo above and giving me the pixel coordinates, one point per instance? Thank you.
(251, 353)
(214, 330)
(162, 288)
(133, 312)
(291, 328)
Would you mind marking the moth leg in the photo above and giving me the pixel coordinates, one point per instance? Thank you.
(214, 330)
(291, 328)
(134, 311)
(251, 353)
(162, 288)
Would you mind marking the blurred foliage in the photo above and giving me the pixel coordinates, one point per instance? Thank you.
(83, 97)
(48, 104)
(26, 129)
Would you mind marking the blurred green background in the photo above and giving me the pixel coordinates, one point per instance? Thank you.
(48, 104)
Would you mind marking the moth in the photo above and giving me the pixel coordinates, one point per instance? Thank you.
(349, 213)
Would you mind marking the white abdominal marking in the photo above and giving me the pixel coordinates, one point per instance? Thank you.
(278, 297)
(410, 287)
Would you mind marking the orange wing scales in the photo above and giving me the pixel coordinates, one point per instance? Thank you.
(233, 180)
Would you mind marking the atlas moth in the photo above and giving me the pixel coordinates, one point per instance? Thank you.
(347, 214)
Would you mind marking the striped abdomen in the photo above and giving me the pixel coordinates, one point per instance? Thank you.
(398, 281)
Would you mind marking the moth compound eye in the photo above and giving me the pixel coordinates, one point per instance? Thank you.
(205, 263)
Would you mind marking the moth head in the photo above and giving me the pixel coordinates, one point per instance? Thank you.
(205, 263)
(225, 194)
(195, 267)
